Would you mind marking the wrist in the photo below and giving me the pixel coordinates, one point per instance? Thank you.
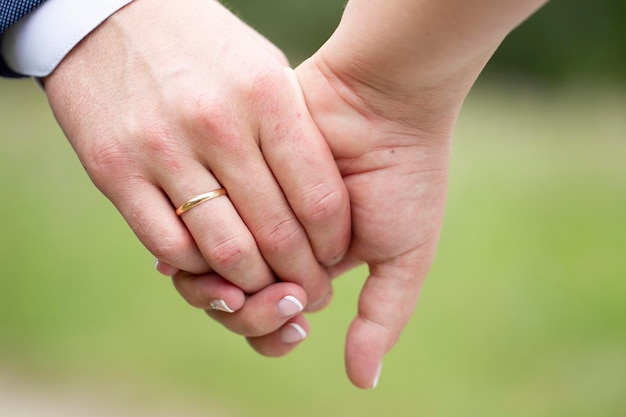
(425, 104)
(431, 44)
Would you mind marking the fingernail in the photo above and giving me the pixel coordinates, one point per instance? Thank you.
(380, 370)
(165, 269)
(292, 333)
(334, 261)
(156, 264)
(220, 305)
(289, 306)
(313, 307)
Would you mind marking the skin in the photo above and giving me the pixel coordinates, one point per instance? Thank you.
(157, 119)
(386, 91)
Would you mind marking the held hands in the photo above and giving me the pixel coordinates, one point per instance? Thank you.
(158, 119)
(169, 100)
(396, 174)
(392, 148)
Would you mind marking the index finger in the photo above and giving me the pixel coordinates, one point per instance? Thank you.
(306, 170)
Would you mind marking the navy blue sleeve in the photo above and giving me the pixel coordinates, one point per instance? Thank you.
(10, 12)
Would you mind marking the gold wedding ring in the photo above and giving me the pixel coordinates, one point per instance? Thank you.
(200, 199)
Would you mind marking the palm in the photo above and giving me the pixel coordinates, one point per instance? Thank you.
(396, 177)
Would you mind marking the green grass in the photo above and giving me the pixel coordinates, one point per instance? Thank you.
(524, 313)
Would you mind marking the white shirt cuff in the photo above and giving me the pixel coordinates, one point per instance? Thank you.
(36, 44)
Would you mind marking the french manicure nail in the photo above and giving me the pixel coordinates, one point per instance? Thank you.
(220, 305)
(157, 264)
(380, 370)
(292, 333)
(165, 269)
(289, 306)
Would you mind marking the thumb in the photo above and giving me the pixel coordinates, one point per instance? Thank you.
(386, 303)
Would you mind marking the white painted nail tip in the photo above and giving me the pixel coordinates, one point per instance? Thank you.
(220, 305)
(299, 329)
(289, 306)
(377, 379)
(295, 301)
(292, 333)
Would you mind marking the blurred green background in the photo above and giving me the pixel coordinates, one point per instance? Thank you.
(524, 313)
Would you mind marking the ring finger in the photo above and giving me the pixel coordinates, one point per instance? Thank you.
(218, 230)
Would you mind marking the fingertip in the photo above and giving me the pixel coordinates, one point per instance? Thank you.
(386, 303)
(330, 228)
(366, 345)
(265, 312)
(292, 333)
(289, 306)
(319, 304)
(377, 377)
(165, 268)
(334, 261)
(283, 340)
(219, 304)
(209, 292)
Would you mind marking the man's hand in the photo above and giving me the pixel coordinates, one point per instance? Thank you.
(168, 100)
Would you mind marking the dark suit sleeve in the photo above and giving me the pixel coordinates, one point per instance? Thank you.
(10, 12)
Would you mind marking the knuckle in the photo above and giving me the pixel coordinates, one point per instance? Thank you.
(107, 159)
(217, 121)
(169, 249)
(230, 253)
(281, 238)
(124, 156)
(268, 82)
(211, 114)
(157, 144)
(265, 79)
(323, 203)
